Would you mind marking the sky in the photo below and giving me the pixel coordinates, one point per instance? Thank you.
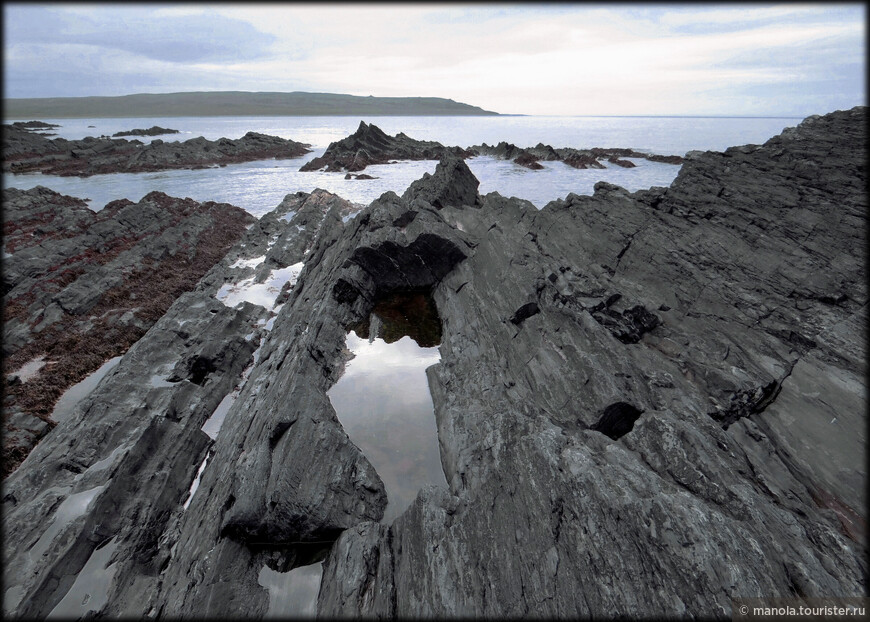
(541, 59)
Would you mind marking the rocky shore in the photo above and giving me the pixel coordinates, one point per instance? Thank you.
(81, 287)
(647, 404)
(25, 152)
(370, 145)
(576, 158)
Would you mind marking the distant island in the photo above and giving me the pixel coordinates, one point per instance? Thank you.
(234, 103)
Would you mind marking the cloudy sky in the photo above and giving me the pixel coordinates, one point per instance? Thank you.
(560, 59)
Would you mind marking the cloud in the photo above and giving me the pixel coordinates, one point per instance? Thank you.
(169, 35)
(536, 59)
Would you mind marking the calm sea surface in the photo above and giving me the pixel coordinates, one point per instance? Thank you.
(259, 186)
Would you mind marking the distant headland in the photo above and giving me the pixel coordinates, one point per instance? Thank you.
(234, 103)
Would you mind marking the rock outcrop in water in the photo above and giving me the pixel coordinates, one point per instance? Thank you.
(154, 130)
(26, 152)
(80, 287)
(576, 158)
(39, 127)
(648, 404)
(370, 145)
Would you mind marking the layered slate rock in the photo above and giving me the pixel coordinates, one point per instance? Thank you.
(134, 445)
(590, 474)
(370, 145)
(81, 287)
(25, 152)
(591, 354)
(576, 158)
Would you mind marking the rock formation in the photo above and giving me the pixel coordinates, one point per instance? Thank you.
(80, 287)
(577, 158)
(647, 404)
(370, 145)
(25, 152)
(37, 127)
(154, 130)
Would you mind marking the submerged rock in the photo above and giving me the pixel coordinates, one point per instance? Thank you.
(590, 354)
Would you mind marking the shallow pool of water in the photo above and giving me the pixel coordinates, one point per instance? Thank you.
(384, 405)
(90, 591)
(76, 393)
(292, 594)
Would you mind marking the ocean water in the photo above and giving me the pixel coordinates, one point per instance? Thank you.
(259, 186)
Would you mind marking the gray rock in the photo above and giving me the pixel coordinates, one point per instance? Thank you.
(577, 158)
(549, 516)
(451, 184)
(26, 152)
(370, 145)
(590, 472)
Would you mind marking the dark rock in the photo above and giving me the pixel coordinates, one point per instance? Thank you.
(622, 163)
(154, 130)
(35, 125)
(580, 160)
(451, 184)
(24, 152)
(370, 145)
(664, 159)
(529, 161)
(576, 158)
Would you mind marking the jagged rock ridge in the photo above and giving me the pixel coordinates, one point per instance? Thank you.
(576, 158)
(370, 145)
(588, 351)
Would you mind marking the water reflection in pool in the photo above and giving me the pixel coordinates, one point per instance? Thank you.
(292, 594)
(384, 404)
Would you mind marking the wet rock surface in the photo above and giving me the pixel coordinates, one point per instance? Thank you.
(26, 152)
(591, 353)
(80, 287)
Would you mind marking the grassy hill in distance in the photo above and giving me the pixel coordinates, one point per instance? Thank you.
(233, 103)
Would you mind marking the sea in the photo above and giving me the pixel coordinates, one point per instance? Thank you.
(259, 187)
